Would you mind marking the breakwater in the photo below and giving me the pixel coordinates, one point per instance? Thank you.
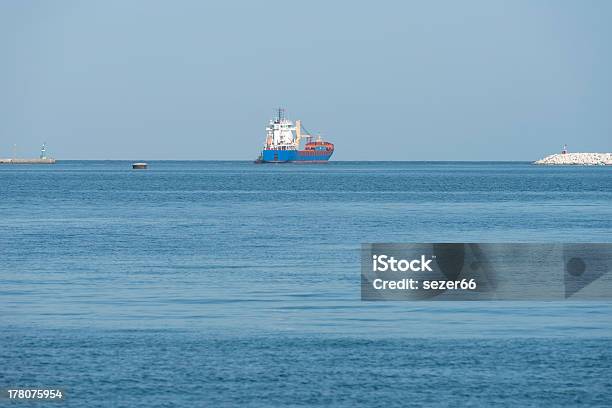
(577, 159)
(27, 161)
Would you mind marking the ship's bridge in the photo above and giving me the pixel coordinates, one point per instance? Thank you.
(279, 134)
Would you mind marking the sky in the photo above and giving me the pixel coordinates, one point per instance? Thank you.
(382, 80)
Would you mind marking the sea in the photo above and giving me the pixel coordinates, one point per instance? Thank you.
(226, 283)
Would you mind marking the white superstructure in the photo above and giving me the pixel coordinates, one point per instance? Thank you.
(280, 133)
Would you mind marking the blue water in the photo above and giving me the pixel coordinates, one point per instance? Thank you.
(233, 284)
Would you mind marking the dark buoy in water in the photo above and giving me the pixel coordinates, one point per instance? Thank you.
(139, 166)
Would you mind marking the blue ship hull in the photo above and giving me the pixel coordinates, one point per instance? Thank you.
(294, 156)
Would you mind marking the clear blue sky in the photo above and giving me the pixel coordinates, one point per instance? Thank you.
(427, 80)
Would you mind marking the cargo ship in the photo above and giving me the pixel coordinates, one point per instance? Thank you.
(283, 138)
